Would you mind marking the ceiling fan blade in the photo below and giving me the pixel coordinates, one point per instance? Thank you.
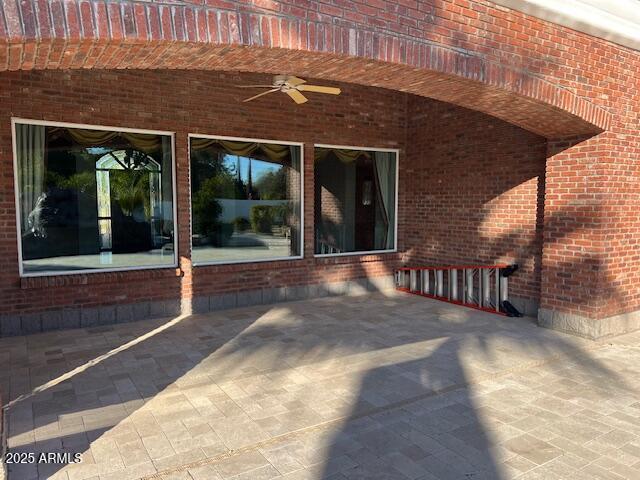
(255, 86)
(295, 81)
(319, 89)
(297, 96)
(261, 94)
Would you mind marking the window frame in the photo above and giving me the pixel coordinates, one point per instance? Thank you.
(302, 185)
(395, 236)
(16, 191)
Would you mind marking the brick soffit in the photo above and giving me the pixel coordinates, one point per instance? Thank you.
(76, 34)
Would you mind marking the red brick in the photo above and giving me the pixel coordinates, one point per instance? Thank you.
(140, 17)
(115, 21)
(190, 25)
(74, 29)
(166, 23)
(28, 18)
(201, 21)
(12, 17)
(102, 20)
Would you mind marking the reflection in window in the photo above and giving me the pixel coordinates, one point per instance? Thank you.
(136, 183)
(245, 200)
(354, 200)
(94, 199)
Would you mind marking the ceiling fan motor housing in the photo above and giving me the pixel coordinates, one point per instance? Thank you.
(280, 80)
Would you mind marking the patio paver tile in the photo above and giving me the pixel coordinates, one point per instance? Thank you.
(387, 387)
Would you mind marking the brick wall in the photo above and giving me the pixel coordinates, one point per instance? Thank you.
(446, 144)
(187, 102)
(477, 191)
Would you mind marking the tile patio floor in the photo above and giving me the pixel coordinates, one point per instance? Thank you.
(369, 387)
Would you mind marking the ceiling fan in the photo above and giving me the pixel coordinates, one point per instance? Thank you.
(292, 86)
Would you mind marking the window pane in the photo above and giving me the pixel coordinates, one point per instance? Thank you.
(245, 200)
(105, 234)
(94, 199)
(354, 200)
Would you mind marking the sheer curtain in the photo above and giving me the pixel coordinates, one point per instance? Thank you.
(166, 185)
(30, 146)
(386, 176)
(294, 184)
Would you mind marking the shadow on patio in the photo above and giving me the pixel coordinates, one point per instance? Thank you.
(355, 387)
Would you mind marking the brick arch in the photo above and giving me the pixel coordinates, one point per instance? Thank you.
(76, 34)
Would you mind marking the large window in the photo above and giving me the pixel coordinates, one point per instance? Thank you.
(355, 200)
(246, 200)
(91, 198)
